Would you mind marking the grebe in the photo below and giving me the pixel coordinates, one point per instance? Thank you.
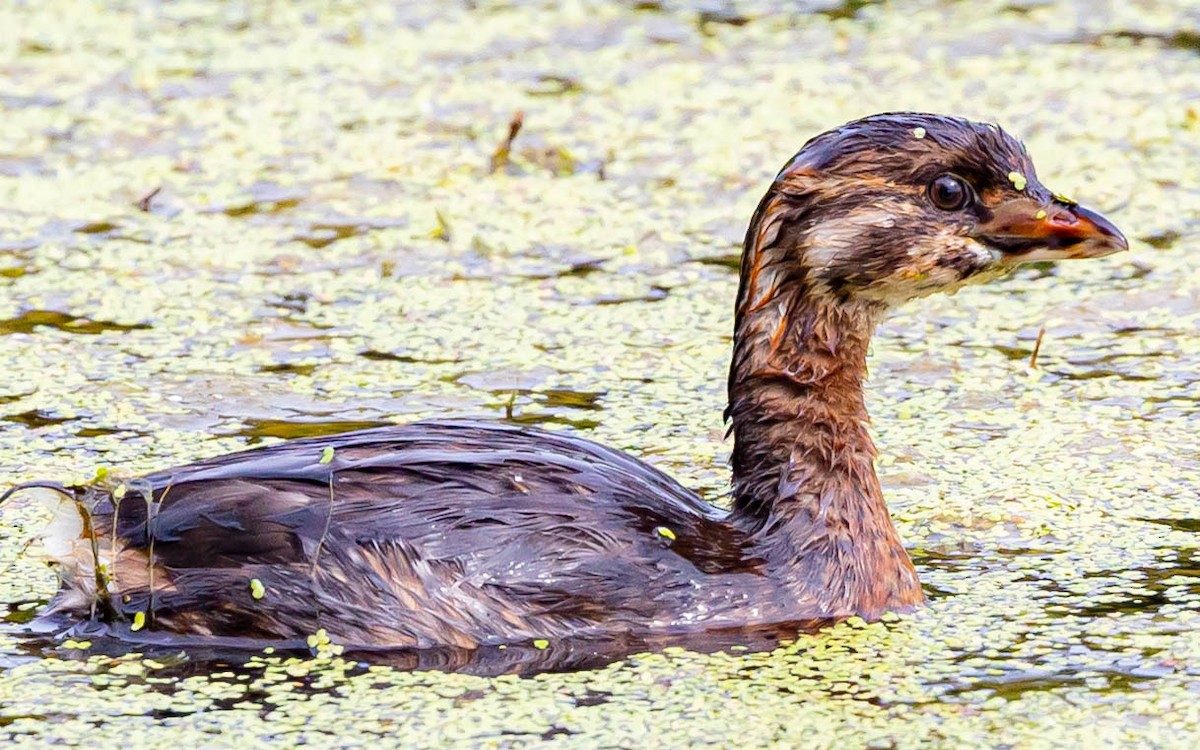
(464, 534)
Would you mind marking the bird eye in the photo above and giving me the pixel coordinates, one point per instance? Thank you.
(950, 193)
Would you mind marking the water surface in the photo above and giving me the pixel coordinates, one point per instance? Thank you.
(223, 224)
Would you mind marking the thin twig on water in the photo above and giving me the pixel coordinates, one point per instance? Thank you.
(501, 154)
(1037, 347)
(144, 202)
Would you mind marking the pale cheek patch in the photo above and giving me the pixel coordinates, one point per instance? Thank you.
(942, 264)
(830, 241)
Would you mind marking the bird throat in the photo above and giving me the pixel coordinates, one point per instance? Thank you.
(803, 461)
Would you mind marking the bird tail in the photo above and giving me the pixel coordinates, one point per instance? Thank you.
(68, 543)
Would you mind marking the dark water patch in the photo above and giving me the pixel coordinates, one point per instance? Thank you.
(732, 261)
(592, 698)
(322, 235)
(1118, 356)
(253, 207)
(255, 430)
(964, 560)
(1178, 524)
(1179, 405)
(575, 269)
(1133, 329)
(1037, 270)
(553, 85)
(264, 198)
(539, 262)
(289, 328)
(1132, 270)
(378, 356)
(1184, 39)
(15, 260)
(549, 406)
(847, 9)
(101, 226)
(1017, 9)
(654, 294)
(1162, 240)
(933, 592)
(1013, 353)
(720, 14)
(1014, 684)
(296, 302)
(589, 400)
(93, 432)
(30, 321)
(8, 720)
(1130, 605)
(538, 419)
(327, 231)
(287, 368)
(949, 562)
(35, 418)
(1101, 372)
(22, 613)
(983, 430)
(526, 404)
(1152, 589)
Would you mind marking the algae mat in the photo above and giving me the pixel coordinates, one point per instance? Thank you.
(228, 223)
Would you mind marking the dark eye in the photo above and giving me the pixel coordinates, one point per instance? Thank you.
(950, 193)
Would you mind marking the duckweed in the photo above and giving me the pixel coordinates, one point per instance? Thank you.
(327, 248)
(318, 639)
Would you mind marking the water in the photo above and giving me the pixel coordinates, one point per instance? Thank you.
(225, 224)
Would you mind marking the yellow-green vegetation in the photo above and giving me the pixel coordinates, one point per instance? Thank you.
(227, 223)
(319, 638)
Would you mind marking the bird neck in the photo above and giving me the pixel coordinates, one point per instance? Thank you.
(798, 417)
(803, 461)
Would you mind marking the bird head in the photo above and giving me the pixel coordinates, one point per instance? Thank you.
(897, 206)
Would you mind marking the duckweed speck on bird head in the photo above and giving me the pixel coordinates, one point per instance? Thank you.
(226, 224)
